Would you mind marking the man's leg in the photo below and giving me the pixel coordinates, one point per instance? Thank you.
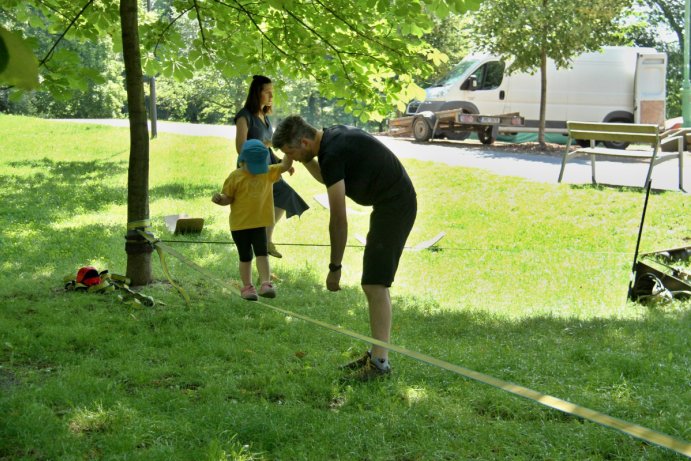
(379, 303)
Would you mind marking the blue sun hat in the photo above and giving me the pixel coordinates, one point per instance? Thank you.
(255, 155)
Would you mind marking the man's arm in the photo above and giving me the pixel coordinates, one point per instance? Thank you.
(338, 231)
(313, 167)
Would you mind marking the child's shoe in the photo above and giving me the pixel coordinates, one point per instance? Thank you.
(249, 293)
(267, 290)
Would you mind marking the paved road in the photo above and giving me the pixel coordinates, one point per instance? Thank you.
(535, 167)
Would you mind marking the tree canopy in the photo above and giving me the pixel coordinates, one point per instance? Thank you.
(367, 54)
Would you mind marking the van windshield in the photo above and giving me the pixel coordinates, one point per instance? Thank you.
(457, 73)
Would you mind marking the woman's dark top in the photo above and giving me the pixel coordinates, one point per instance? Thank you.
(285, 196)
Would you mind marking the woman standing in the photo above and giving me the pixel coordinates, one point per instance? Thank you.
(252, 122)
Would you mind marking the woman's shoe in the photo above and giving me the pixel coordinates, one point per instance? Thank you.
(273, 251)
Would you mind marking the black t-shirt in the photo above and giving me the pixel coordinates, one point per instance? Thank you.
(372, 173)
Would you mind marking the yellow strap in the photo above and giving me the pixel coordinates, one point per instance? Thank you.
(143, 224)
(164, 265)
(105, 285)
(120, 279)
(634, 430)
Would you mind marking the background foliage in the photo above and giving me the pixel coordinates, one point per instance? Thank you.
(214, 94)
(358, 53)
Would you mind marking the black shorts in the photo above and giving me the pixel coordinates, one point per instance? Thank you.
(390, 225)
(248, 239)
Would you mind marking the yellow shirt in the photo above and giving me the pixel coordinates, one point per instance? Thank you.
(251, 198)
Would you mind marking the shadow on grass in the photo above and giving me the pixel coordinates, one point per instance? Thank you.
(58, 189)
(183, 191)
(617, 188)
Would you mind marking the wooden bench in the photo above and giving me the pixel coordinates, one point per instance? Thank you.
(625, 133)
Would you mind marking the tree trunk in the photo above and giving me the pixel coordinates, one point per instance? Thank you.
(543, 97)
(137, 248)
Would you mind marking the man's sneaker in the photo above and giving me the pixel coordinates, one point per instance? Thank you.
(267, 290)
(368, 372)
(249, 293)
(358, 363)
(273, 251)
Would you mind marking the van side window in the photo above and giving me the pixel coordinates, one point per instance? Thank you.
(490, 75)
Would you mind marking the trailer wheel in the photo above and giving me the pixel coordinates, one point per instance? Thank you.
(485, 136)
(421, 130)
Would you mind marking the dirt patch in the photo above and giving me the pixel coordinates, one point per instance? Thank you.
(551, 149)
(526, 148)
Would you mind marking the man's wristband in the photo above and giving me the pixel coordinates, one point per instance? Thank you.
(334, 267)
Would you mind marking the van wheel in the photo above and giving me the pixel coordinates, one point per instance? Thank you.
(614, 144)
(485, 135)
(422, 132)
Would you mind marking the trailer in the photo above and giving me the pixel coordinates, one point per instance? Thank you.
(455, 124)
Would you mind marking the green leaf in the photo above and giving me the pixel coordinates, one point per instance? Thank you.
(467, 5)
(35, 21)
(16, 96)
(21, 68)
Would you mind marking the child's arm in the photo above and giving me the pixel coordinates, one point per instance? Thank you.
(220, 199)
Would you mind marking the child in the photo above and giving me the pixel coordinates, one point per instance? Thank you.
(249, 192)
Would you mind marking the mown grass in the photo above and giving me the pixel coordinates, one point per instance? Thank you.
(529, 286)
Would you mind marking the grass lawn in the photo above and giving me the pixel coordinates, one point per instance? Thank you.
(529, 286)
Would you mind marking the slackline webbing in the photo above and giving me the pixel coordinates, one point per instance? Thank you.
(640, 432)
(136, 225)
(145, 224)
(432, 248)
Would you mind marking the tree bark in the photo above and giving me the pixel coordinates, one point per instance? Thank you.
(137, 248)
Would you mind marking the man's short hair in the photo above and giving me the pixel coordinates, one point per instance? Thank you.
(291, 130)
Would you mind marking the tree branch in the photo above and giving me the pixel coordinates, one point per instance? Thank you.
(52, 48)
(248, 13)
(671, 18)
(199, 20)
(337, 51)
(170, 24)
(52, 8)
(241, 8)
(355, 29)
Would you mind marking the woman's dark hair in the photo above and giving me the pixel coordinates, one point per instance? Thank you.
(254, 96)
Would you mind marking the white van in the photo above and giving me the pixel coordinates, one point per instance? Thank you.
(617, 84)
